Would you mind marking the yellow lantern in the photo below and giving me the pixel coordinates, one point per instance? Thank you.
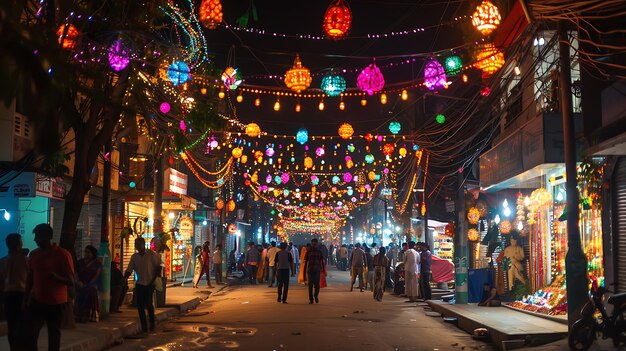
(383, 98)
(346, 131)
(253, 130)
(371, 176)
(472, 234)
(486, 18)
(210, 13)
(232, 228)
(473, 215)
(308, 162)
(230, 206)
(404, 95)
(402, 151)
(489, 59)
(258, 155)
(237, 152)
(505, 227)
(220, 204)
(298, 78)
(244, 158)
(254, 178)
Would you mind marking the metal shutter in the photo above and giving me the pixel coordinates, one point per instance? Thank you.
(619, 193)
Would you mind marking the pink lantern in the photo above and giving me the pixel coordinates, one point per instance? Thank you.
(434, 75)
(182, 125)
(284, 178)
(165, 107)
(269, 152)
(320, 151)
(118, 56)
(370, 80)
(347, 177)
(268, 179)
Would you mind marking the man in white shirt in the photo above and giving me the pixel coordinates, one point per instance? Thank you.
(296, 257)
(147, 265)
(411, 269)
(271, 255)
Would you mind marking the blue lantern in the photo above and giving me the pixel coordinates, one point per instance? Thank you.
(369, 158)
(335, 179)
(453, 65)
(178, 73)
(333, 85)
(394, 127)
(302, 136)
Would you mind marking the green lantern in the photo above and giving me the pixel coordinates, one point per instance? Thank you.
(453, 65)
(333, 85)
(441, 119)
(394, 127)
(369, 158)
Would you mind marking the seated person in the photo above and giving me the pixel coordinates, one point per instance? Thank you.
(490, 297)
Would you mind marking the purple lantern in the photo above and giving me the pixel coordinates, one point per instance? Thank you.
(320, 151)
(284, 178)
(347, 177)
(268, 179)
(370, 80)
(118, 56)
(269, 151)
(434, 75)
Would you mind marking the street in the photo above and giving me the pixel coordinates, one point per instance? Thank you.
(249, 318)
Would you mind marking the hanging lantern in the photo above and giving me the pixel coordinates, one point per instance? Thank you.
(488, 59)
(347, 177)
(302, 136)
(453, 65)
(67, 37)
(441, 119)
(165, 107)
(472, 234)
(371, 176)
(449, 231)
(337, 20)
(383, 98)
(370, 80)
(277, 105)
(486, 18)
(369, 137)
(342, 106)
(231, 78)
(210, 13)
(230, 205)
(308, 162)
(473, 215)
(335, 180)
(402, 151)
(369, 158)
(284, 178)
(298, 78)
(505, 227)
(237, 152)
(298, 107)
(119, 57)
(333, 85)
(269, 151)
(363, 102)
(178, 73)
(220, 204)
(320, 151)
(253, 130)
(257, 102)
(388, 149)
(244, 158)
(258, 155)
(482, 207)
(434, 75)
(345, 131)
(404, 95)
(423, 209)
(394, 127)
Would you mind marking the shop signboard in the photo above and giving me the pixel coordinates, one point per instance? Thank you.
(53, 188)
(175, 182)
(19, 185)
(188, 202)
(185, 229)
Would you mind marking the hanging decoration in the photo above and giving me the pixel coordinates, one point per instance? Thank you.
(320, 151)
(237, 152)
(505, 227)
(394, 127)
(298, 78)
(473, 215)
(164, 107)
(119, 57)
(219, 204)
(67, 35)
(333, 85)
(434, 75)
(302, 136)
(482, 207)
(231, 78)
(347, 177)
(449, 229)
(253, 130)
(388, 149)
(453, 65)
(486, 18)
(346, 131)
(370, 80)
(441, 119)
(230, 205)
(178, 73)
(488, 59)
(369, 158)
(211, 13)
(472, 234)
(337, 20)
(308, 162)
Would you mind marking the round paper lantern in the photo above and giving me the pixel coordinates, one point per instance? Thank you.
(333, 85)
(345, 131)
(315, 180)
(369, 158)
(258, 154)
(337, 20)
(402, 151)
(165, 107)
(335, 179)
(472, 234)
(231, 78)
(67, 36)
(473, 215)
(505, 227)
(308, 162)
(210, 13)
(269, 151)
(219, 204)
(118, 56)
(347, 177)
(230, 206)
(370, 80)
(253, 130)
(449, 231)
(482, 207)
(453, 65)
(488, 59)
(434, 75)
(388, 149)
(244, 158)
(371, 176)
(277, 179)
(369, 137)
(320, 151)
(394, 127)
(178, 73)
(441, 119)
(298, 78)
(486, 18)
(284, 178)
(349, 163)
(237, 152)
(232, 228)
(302, 136)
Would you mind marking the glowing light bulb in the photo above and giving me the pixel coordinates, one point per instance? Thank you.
(321, 105)
(221, 94)
(506, 212)
(520, 225)
(526, 201)
(257, 102)
(404, 95)
(342, 106)
(497, 219)
(204, 223)
(363, 102)
(298, 108)
(171, 215)
(277, 105)
(517, 70)
(7, 215)
(239, 98)
(203, 91)
(505, 203)
(383, 98)
(465, 78)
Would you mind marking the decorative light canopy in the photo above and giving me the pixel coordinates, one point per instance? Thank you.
(370, 80)
(302, 136)
(210, 13)
(333, 85)
(434, 75)
(489, 59)
(231, 78)
(394, 127)
(337, 20)
(453, 65)
(486, 18)
(298, 78)
(253, 130)
(345, 131)
(67, 36)
(178, 73)
(119, 57)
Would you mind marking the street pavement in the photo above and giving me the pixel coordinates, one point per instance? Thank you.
(247, 317)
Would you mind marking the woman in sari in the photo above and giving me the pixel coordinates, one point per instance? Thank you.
(88, 272)
(260, 273)
(380, 266)
(302, 274)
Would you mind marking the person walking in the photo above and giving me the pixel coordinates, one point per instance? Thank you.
(262, 267)
(13, 274)
(425, 271)
(405, 246)
(296, 257)
(313, 266)
(217, 264)
(284, 262)
(343, 257)
(50, 273)
(369, 275)
(147, 266)
(358, 263)
(88, 272)
(302, 274)
(271, 261)
(380, 263)
(252, 258)
(411, 269)
(206, 265)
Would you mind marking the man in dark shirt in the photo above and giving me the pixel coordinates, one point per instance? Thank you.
(425, 271)
(313, 267)
(283, 261)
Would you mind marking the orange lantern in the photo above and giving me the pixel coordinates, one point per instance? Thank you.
(230, 205)
(489, 59)
(258, 155)
(308, 162)
(210, 13)
(298, 78)
(232, 228)
(67, 36)
(337, 19)
(486, 17)
(244, 159)
(472, 234)
(505, 227)
(253, 130)
(220, 204)
(388, 149)
(371, 176)
(473, 215)
(237, 152)
(449, 231)
(346, 131)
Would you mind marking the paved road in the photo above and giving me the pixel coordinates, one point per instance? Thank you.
(249, 318)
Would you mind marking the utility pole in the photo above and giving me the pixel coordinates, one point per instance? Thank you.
(575, 260)
(460, 245)
(157, 221)
(104, 251)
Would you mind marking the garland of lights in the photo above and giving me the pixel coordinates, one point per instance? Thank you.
(195, 46)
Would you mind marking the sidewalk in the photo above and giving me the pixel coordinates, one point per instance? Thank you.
(113, 329)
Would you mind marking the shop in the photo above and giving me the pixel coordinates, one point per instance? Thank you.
(443, 241)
